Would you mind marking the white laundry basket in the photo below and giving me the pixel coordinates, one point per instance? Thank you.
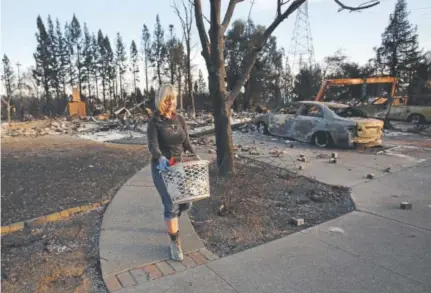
(187, 181)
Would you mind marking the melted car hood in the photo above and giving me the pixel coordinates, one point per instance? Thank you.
(367, 121)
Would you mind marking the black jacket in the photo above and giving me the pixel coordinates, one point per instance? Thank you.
(168, 137)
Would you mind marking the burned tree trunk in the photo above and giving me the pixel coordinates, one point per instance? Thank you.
(223, 130)
(221, 112)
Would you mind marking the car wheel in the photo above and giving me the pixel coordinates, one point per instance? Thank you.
(262, 128)
(322, 139)
(417, 119)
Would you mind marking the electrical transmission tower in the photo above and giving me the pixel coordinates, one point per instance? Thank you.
(301, 52)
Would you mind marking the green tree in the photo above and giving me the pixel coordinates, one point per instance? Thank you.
(146, 48)
(97, 63)
(55, 62)
(307, 83)
(338, 66)
(264, 82)
(158, 50)
(399, 54)
(63, 57)
(201, 84)
(74, 40)
(170, 51)
(103, 64)
(286, 81)
(42, 72)
(88, 59)
(8, 78)
(134, 59)
(421, 81)
(120, 60)
(111, 71)
(180, 63)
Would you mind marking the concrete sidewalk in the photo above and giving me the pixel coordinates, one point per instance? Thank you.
(133, 230)
(378, 248)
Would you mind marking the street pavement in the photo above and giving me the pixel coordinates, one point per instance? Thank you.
(378, 248)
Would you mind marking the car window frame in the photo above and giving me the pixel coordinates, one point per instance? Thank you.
(322, 116)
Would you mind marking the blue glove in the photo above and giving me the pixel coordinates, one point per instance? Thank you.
(163, 164)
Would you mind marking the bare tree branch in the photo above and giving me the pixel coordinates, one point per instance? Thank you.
(202, 32)
(278, 8)
(229, 13)
(177, 11)
(360, 7)
(252, 55)
(251, 7)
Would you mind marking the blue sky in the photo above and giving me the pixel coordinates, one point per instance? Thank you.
(355, 33)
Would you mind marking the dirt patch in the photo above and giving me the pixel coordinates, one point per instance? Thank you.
(52, 173)
(60, 257)
(257, 205)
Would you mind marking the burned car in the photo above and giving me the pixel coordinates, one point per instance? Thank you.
(318, 123)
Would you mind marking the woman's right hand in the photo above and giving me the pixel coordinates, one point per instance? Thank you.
(163, 164)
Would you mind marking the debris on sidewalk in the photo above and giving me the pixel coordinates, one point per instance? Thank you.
(276, 153)
(323, 156)
(370, 176)
(297, 222)
(245, 149)
(336, 230)
(254, 152)
(406, 205)
(301, 158)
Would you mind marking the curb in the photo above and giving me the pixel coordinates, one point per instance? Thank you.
(54, 217)
(146, 273)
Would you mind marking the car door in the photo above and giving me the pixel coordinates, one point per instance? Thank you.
(306, 121)
(280, 122)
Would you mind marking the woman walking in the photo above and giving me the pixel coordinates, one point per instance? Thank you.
(167, 139)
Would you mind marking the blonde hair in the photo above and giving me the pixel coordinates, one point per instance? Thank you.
(166, 91)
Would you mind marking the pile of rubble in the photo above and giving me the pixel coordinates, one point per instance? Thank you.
(26, 129)
(124, 123)
(204, 121)
(58, 126)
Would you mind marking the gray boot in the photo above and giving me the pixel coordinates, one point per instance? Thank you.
(175, 248)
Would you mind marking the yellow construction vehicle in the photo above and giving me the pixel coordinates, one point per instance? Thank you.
(76, 107)
(357, 81)
(380, 106)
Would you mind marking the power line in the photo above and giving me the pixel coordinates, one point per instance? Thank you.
(420, 8)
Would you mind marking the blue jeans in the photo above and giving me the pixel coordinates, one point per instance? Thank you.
(171, 210)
